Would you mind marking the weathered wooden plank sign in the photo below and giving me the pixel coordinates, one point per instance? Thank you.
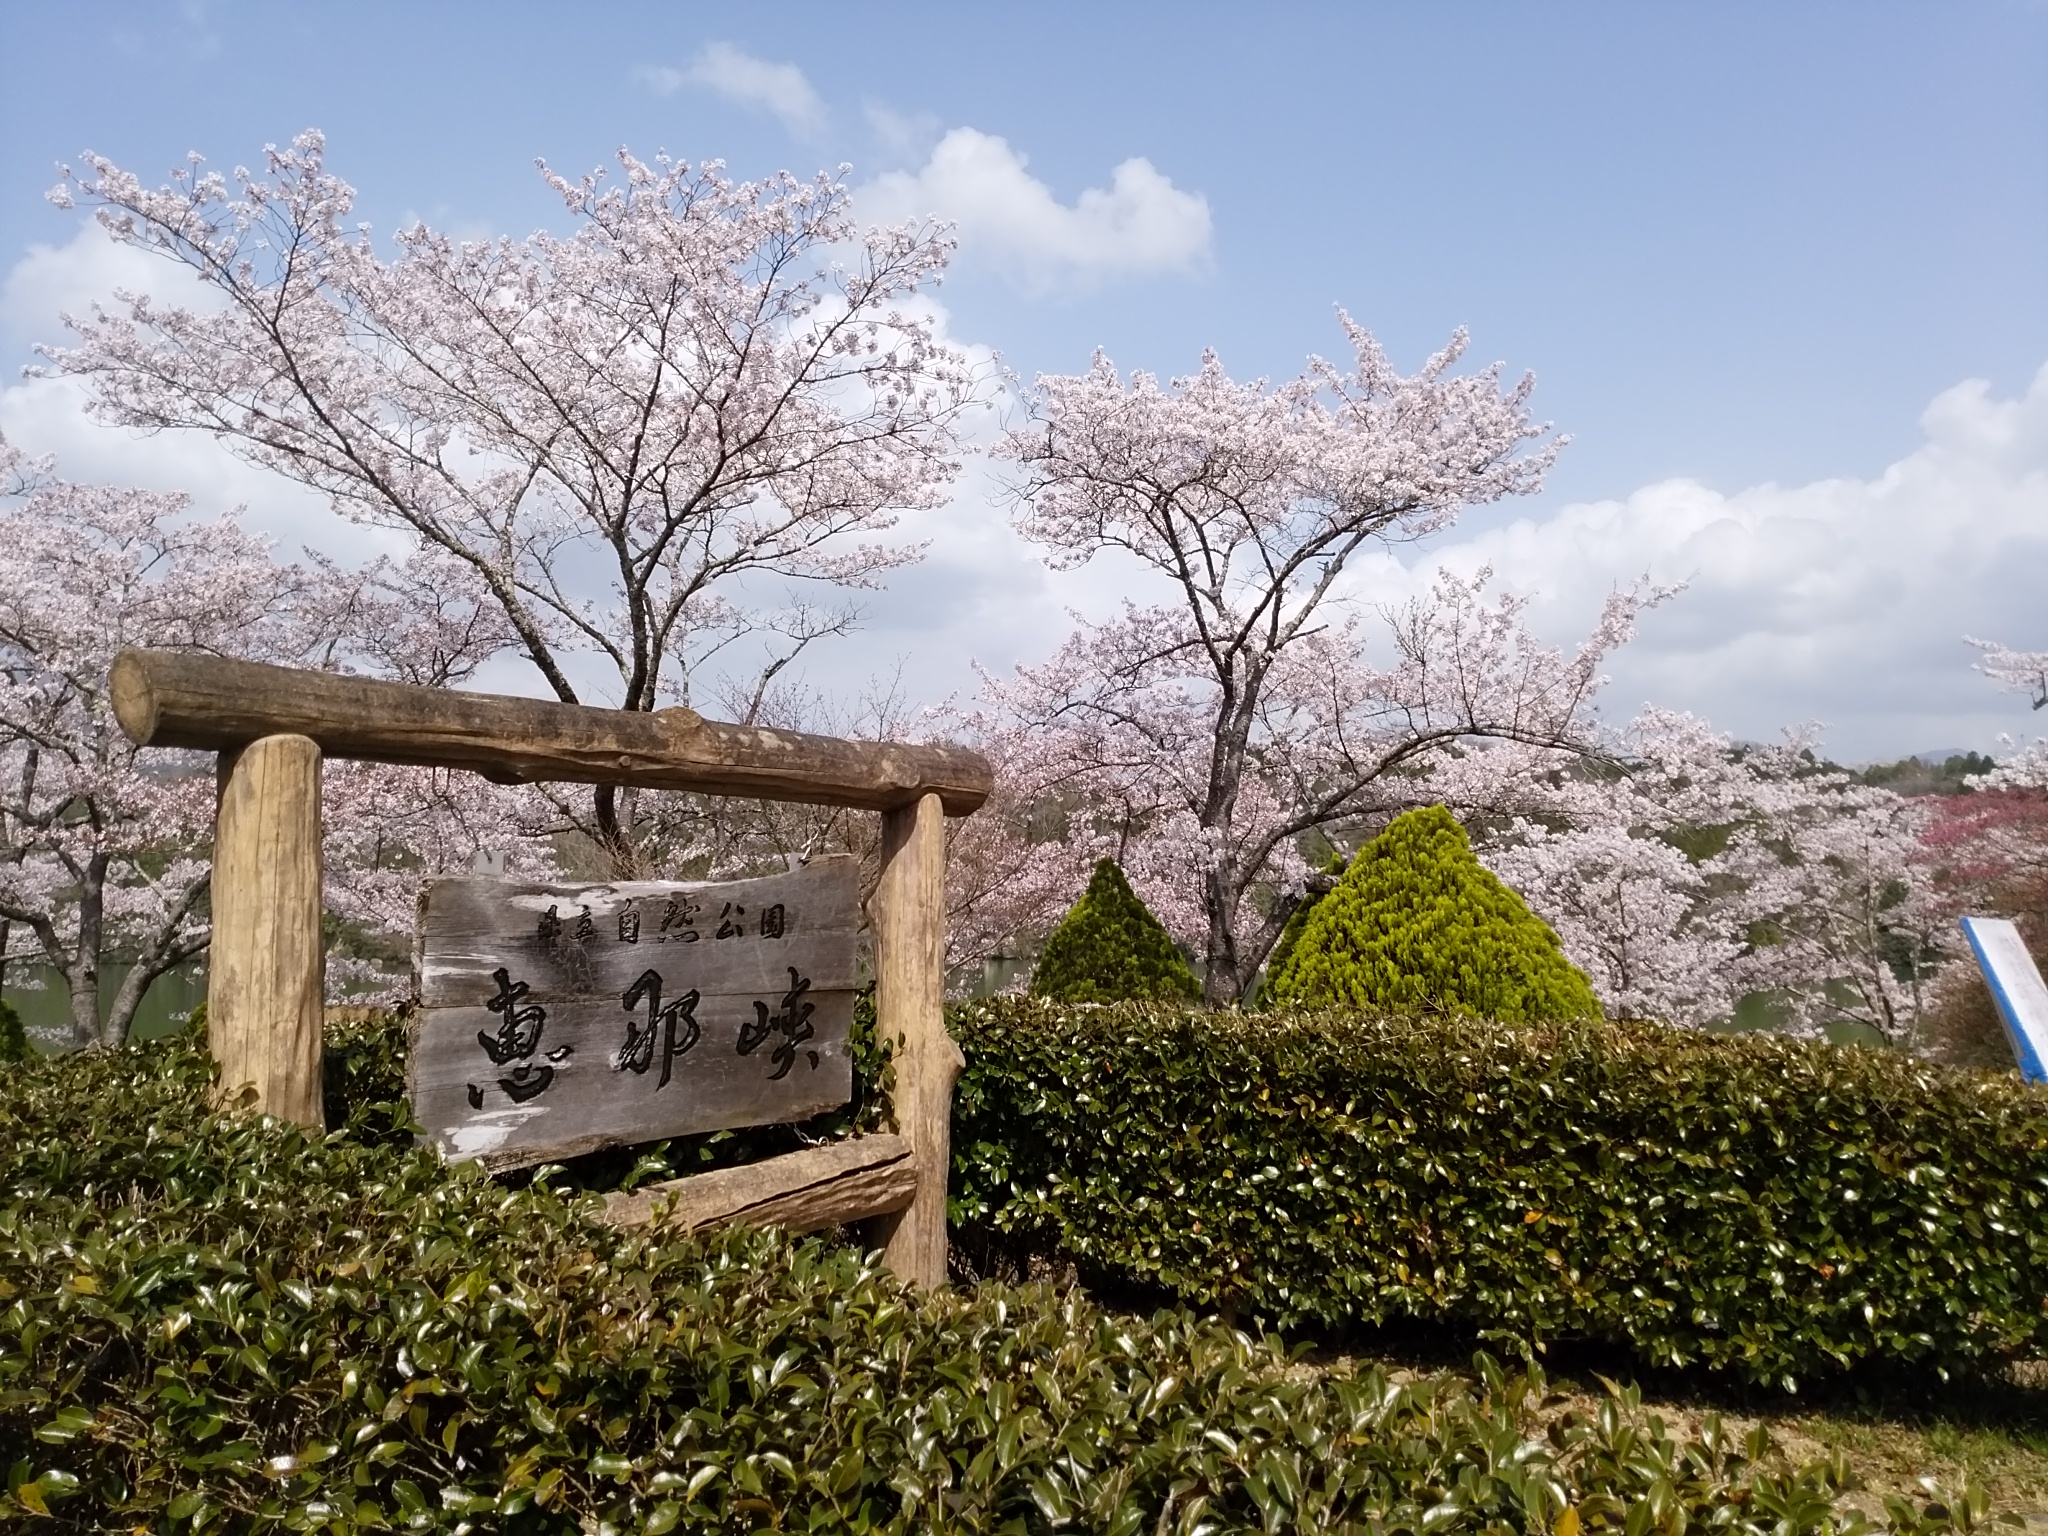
(557, 1019)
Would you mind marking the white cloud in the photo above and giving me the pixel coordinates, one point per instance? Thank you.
(901, 135)
(662, 79)
(1140, 223)
(1843, 601)
(738, 76)
(47, 416)
(52, 281)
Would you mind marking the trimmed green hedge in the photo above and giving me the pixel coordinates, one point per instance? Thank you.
(218, 1323)
(1765, 1207)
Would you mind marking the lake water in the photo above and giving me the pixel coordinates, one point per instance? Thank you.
(46, 1009)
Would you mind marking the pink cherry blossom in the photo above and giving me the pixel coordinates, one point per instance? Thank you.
(105, 848)
(2021, 671)
(1202, 736)
(1692, 872)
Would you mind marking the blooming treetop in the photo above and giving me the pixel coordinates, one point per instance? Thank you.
(1694, 872)
(1201, 736)
(687, 391)
(2021, 671)
(96, 854)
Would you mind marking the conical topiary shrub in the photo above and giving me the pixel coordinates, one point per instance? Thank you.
(1110, 948)
(1297, 922)
(1418, 922)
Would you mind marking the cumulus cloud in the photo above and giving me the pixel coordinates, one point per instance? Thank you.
(56, 280)
(780, 89)
(1140, 223)
(901, 135)
(1843, 601)
(43, 415)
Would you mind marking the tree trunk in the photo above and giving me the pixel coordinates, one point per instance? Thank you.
(615, 833)
(83, 977)
(1222, 986)
(120, 1021)
(163, 955)
(121, 1012)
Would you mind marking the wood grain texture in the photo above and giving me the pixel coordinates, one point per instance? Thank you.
(828, 1186)
(265, 977)
(539, 1035)
(909, 912)
(178, 699)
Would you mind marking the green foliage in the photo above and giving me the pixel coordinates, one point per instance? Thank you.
(1110, 948)
(14, 1044)
(1913, 776)
(218, 1323)
(1297, 920)
(1418, 922)
(1768, 1208)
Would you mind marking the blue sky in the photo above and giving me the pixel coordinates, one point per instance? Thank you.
(1755, 255)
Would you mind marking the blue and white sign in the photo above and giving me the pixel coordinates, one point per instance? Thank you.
(2016, 985)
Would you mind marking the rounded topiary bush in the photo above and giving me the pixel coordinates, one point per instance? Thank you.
(1418, 922)
(1110, 948)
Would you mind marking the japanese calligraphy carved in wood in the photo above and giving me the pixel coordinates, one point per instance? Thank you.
(557, 1019)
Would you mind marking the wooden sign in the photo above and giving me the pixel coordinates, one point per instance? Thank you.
(557, 1019)
(2016, 986)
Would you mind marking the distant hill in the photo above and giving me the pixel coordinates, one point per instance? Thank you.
(1928, 773)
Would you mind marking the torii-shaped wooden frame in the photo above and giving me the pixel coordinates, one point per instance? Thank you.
(273, 725)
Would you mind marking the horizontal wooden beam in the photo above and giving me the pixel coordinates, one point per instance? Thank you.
(184, 699)
(828, 1186)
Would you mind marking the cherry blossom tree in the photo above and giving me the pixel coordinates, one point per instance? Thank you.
(630, 436)
(1200, 738)
(1988, 850)
(1989, 847)
(386, 829)
(104, 848)
(101, 854)
(1856, 930)
(1688, 872)
(2021, 671)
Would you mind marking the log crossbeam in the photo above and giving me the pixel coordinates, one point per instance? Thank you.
(219, 704)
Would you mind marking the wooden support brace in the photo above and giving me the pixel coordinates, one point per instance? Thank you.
(264, 1002)
(909, 923)
(826, 1186)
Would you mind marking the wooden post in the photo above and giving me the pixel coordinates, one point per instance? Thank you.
(909, 918)
(266, 971)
